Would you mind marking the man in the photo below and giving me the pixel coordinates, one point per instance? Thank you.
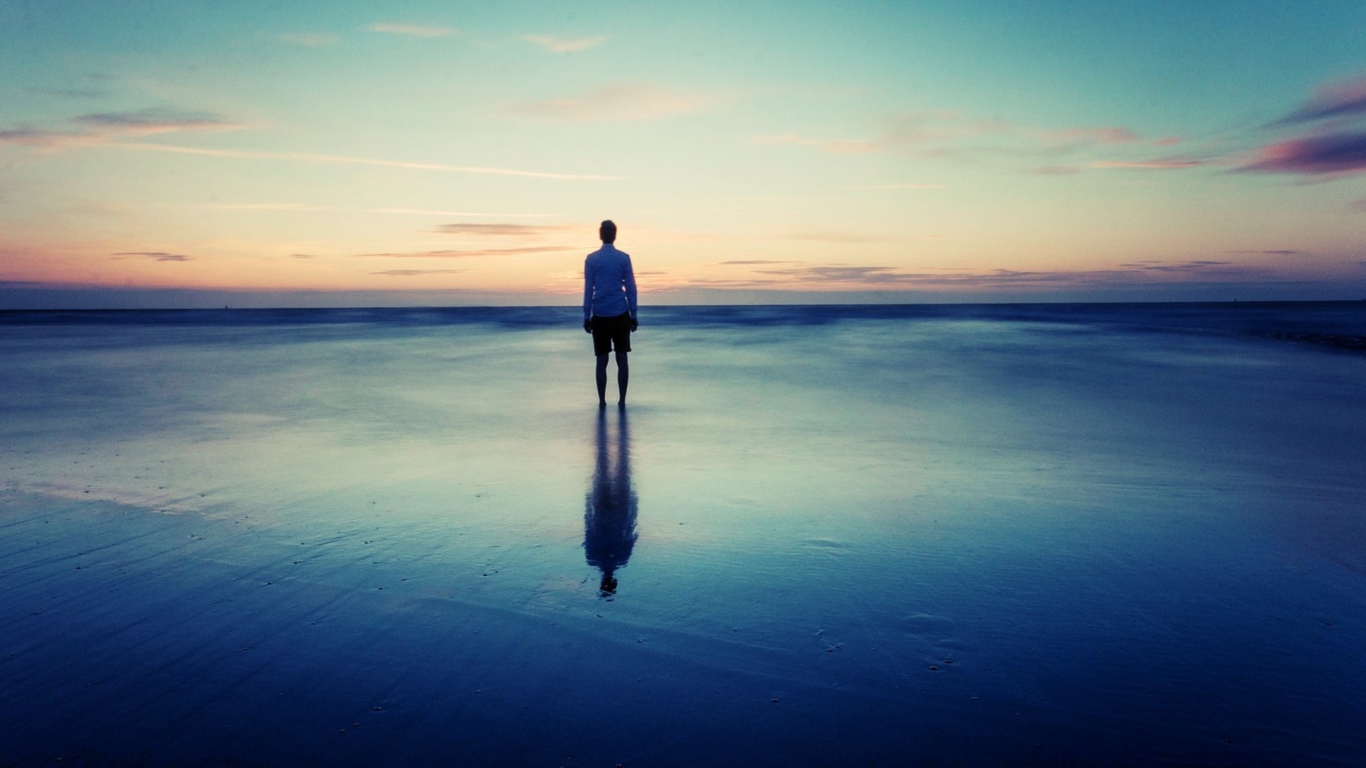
(609, 308)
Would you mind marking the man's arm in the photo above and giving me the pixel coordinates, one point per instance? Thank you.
(629, 278)
(587, 298)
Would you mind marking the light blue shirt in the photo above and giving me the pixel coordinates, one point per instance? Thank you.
(609, 284)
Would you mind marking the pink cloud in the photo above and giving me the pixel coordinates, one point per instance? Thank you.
(1340, 99)
(1325, 154)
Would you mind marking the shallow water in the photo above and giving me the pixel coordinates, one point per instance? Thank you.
(964, 535)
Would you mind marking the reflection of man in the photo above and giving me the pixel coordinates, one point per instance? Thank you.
(609, 517)
(609, 308)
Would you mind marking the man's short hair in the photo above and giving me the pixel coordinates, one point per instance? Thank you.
(607, 231)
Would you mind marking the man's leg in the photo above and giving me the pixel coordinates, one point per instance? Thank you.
(623, 375)
(602, 379)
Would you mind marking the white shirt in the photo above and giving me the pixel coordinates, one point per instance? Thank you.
(609, 283)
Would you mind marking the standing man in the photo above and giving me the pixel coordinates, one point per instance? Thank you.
(609, 308)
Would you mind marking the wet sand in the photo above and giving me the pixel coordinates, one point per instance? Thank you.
(838, 537)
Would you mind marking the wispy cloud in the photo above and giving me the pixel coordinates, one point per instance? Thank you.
(263, 207)
(1330, 154)
(309, 157)
(735, 262)
(412, 30)
(465, 254)
(1267, 253)
(416, 272)
(149, 121)
(844, 276)
(898, 186)
(922, 131)
(500, 230)
(839, 274)
(153, 255)
(310, 39)
(68, 93)
(1344, 98)
(1161, 164)
(428, 212)
(843, 238)
(105, 127)
(1112, 134)
(310, 207)
(565, 44)
(1200, 265)
(947, 134)
(622, 101)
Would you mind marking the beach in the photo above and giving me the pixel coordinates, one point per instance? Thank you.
(979, 535)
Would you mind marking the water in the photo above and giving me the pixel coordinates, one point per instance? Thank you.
(817, 536)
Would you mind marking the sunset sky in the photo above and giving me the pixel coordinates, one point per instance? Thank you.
(457, 153)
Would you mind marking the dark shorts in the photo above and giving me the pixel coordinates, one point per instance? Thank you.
(612, 332)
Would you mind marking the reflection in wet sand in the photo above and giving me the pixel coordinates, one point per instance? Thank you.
(609, 517)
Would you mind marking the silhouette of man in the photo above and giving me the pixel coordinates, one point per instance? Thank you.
(609, 308)
(609, 515)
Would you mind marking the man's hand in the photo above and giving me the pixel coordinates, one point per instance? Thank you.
(588, 325)
(634, 325)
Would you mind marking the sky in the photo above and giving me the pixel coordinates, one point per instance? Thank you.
(342, 153)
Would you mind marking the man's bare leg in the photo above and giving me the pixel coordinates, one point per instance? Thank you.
(623, 375)
(602, 380)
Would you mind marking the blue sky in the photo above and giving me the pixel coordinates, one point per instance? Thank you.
(453, 153)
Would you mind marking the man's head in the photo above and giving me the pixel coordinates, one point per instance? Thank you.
(607, 231)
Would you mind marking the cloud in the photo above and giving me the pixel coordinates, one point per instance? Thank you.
(946, 134)
(148, 121)
(1324, 154)
(839, 274)
(1113, 134)
(465, 254)
(412, 30)
(1177, 267)
(898, 186)
(1057, 170)
(830, 237)
(565, 44)
(414, 272)
(153, 255)
(310, 39)
(428, 212)
(1268, 253)
(753, 261)
(302, 256)
(105, 127)
(1163, 164)
(1345, 98)
(308, 157)
(885, 277)
(263, 207)
(68, 93)
(309, 207)
(499, 230)
(619, 102)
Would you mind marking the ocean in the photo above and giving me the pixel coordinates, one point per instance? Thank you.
(841, 535)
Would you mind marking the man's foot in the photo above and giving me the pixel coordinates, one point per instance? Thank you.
(621, 403)
(602, 404)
